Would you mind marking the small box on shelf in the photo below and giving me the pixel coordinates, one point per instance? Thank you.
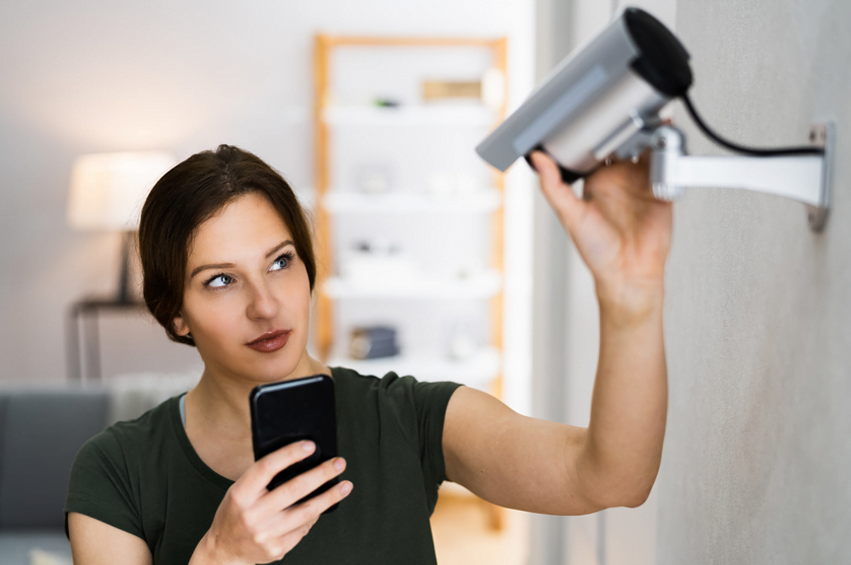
(477, 371)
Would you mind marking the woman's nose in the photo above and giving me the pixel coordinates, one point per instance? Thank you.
(262, 303)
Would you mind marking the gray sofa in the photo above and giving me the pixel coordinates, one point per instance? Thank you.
(40, 434)
(41, 431)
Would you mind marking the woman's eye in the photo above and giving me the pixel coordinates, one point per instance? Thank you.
(281, 262)
(220, 281)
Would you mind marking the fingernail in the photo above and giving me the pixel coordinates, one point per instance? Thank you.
(347, 488)
(340, 464)
(308, 446)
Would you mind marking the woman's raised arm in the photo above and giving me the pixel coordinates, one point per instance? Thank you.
(623, 234)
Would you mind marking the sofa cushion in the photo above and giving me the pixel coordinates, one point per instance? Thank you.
(40, 434)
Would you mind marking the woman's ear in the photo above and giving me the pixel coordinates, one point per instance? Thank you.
(181, 328)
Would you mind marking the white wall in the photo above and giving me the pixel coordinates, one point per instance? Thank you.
(757, 460)
(95, 75)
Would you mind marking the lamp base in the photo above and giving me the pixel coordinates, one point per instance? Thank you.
(125, 294)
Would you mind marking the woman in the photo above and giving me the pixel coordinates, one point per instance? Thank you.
(229, 268)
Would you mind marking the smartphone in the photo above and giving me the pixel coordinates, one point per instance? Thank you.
(296, 410)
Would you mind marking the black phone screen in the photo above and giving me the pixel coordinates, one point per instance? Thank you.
(290, 411)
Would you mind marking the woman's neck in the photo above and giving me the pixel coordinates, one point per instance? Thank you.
(219, 403)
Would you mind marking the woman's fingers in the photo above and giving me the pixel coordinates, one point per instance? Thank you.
(257, 525)
(298, 487)
(559, 195)
(254, 481)
(616, 223)
(285, 528)
(306, 514)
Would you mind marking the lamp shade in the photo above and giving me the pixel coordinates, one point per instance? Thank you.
(108, 189)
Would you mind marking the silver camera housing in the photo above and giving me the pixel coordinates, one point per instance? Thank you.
(598, 99)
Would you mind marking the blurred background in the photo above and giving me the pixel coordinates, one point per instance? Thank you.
(181, 78)
(479, 283)
(394, 184)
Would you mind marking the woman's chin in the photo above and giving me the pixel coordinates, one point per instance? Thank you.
(269, 369)
(278, 371)
(273, 376)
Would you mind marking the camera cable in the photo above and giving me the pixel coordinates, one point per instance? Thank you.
(757, 152)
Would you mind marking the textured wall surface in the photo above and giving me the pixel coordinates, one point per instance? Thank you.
(757, 461)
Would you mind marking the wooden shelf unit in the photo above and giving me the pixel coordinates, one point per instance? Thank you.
(327, 115)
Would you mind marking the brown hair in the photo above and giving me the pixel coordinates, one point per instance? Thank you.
(191, 193)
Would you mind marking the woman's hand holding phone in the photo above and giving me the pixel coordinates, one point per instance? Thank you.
(255, 525)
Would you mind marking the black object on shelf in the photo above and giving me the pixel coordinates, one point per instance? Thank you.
(373, 342)
(387, 103)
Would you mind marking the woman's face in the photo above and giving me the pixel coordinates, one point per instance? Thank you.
(247, 295)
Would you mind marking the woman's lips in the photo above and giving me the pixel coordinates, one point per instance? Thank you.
(270, 342)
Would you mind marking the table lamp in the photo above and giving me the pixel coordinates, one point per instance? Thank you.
(107, 192)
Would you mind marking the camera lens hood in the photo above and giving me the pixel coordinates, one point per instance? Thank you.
(662, 60)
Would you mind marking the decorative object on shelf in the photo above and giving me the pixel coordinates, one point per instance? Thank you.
(387, 103)
(374, 178)
(106, 194)
(377, 246)
(373, 342)
(462, 346)
(452, 90)
(377, 260)
(490, 90)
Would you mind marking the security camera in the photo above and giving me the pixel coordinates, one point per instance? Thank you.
(598, 99)
(604, 101)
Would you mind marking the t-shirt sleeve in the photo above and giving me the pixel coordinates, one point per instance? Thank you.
(100, 486)
(421, 409)
(430, 402)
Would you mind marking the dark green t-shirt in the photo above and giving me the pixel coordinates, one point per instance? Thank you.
(144, 477)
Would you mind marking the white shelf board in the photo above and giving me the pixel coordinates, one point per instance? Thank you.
(437, 115)
(477, 371)
(351, 202)
(482, 285)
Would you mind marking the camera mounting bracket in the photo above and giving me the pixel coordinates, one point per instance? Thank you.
(805, 178)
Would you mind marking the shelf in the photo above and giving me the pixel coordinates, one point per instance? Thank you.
(350, 202)
(482, 285)
(437, 115)
(476, 371)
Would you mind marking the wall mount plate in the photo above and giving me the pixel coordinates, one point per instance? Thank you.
(823, 136)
